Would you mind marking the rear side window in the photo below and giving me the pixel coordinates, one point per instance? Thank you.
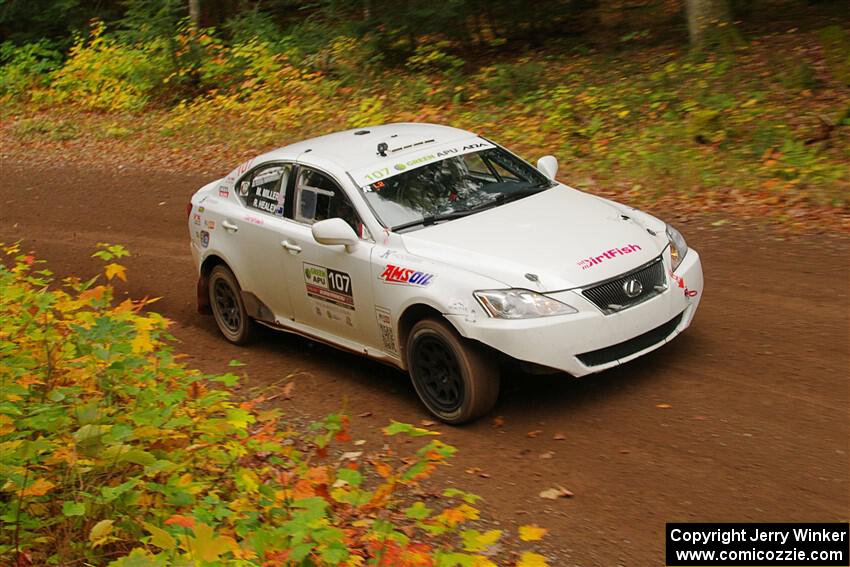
(265, 189)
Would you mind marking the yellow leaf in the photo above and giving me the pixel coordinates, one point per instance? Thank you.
(532, 532)
(160, 538)
(206, 546)
(142, 343)
(529, 559)
(39, 488)
(99, 533)
(115, 270)
(476, 541)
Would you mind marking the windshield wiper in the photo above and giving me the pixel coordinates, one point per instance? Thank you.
(428, 220)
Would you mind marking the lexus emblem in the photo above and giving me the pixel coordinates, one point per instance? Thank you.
(632, 288)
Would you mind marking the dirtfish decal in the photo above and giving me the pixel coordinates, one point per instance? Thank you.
(399, 275)
(608, 255)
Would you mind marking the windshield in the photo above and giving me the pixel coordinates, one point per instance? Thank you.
(453, 187)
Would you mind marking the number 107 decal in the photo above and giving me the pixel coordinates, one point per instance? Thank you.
(331, 286)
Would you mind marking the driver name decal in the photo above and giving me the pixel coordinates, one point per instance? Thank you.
(399, 275)
(607, 255)
(328, 285)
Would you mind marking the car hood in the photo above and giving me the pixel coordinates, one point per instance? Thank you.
(562, 238)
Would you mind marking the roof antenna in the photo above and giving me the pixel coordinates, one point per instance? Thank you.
(382, 149)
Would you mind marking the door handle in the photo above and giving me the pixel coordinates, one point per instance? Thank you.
(227, 225)
(292, 248)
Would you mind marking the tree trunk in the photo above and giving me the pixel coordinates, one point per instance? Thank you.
(195, 13)
(705, 15)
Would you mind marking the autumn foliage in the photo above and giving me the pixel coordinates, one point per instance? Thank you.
(758, 128)
(113, 452)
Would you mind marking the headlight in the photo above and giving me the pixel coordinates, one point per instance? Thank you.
(678, 246)
(520, 304)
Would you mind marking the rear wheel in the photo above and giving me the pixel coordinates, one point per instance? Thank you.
(454, 378)
(228, 308)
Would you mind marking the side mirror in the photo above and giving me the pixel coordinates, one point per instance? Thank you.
(548, 166)
(335, 232)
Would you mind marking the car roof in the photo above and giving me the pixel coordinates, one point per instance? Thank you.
(358, 147)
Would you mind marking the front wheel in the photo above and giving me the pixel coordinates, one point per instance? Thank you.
(454, 378)
(228, 308)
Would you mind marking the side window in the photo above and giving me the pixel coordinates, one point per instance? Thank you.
(265, 189)
(318, 197)
(476, 165)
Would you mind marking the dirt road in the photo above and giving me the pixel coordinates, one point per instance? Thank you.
(757, 428)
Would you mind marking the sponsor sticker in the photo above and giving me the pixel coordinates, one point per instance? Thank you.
(690, 292)
(243, 167)
(210, 225)
(196, 218)
(368, 176)
(607, 255)
(680, 281)
(223, 191)
(328, 285)
(406, 276)
(205, 238)
(385, 326)
(254, 220)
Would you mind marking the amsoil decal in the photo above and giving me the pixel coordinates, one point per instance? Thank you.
(608, 255)
(408, 276)
(328, 285)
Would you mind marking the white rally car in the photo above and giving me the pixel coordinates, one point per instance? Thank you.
(435, 250)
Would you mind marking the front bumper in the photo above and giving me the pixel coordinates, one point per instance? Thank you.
(589, 341)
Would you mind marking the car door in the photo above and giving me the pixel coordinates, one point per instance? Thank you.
(258, 226)
(331, 287)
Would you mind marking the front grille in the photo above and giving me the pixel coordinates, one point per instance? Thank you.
(631, 346)
(611, 297)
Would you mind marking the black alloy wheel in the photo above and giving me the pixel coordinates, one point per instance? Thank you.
(228, 308)
(456, 379)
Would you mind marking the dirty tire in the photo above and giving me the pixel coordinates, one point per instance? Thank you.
(454, 377)
(228, 308)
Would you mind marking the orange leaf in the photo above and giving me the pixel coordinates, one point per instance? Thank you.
(93, 293)
(183, 521)
(383, 469)
(39, 488)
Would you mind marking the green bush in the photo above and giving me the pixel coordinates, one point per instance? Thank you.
(27, 66)
(835, 43)
(102, 73)
(507, 81)
(112, 452)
